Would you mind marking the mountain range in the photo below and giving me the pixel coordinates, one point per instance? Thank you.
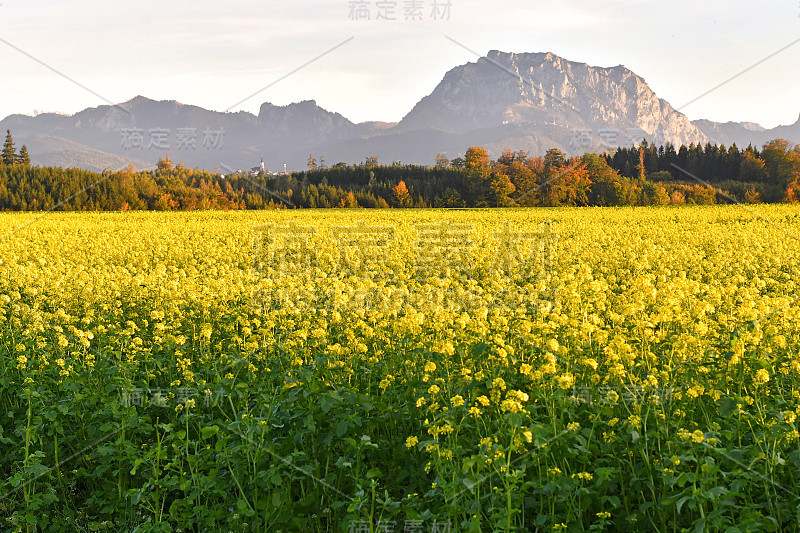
(530, 101)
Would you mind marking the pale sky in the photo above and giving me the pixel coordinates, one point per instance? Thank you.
(215, 54)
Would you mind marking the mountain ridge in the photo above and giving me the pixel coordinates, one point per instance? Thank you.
(521, 101)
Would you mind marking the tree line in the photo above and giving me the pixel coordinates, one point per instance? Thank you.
(643, 175)
(769, 174)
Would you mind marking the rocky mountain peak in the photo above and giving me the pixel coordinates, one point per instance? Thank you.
(544, 89)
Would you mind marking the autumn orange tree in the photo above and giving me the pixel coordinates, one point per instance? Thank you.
(563, 182)
(522, 171)
(500, 189)
(401, 196)
(477, 174)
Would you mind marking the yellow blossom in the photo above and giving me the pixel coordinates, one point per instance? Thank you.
(762, 376)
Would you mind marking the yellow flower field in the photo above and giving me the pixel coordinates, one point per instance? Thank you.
(460, 370)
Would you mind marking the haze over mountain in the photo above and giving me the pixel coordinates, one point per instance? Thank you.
(527, 102)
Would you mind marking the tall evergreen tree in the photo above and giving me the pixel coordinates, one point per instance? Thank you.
(9, 153)
(24, 158)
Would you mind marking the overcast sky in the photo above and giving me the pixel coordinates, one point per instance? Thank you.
(215, 54)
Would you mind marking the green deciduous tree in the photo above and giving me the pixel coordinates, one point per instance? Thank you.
(608, 187)
(782, 162)
(752, 168)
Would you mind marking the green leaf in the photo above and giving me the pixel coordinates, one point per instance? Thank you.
(794, 458)
(700, 525)
(514, 419)
(310, 424)
(726, 406)
(136, 465)
(479, 349)
(470, 482)
(208, 431)
(682, 501)
(325, 403)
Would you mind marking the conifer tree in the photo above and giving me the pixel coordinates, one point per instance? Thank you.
(24, 158)
(9, 153)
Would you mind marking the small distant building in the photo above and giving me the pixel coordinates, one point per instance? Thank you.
(255, 171)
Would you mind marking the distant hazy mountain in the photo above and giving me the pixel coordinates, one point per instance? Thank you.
(519, 101)
(744, 133)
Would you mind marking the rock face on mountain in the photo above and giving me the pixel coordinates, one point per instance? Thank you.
(544, 89)
(530, 102)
